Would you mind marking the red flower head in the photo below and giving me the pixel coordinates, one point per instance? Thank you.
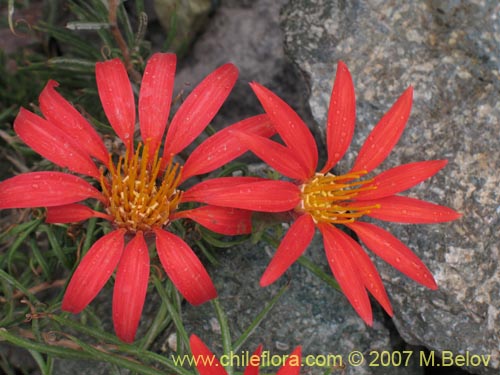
(207, 364)
(323, 200)
(139, 191)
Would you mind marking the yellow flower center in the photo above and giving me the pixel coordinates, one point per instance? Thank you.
(139, 199)
(329, 198)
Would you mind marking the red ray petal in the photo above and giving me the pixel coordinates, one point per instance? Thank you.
(341, 117)
(410, 210)
(229, 221)
(277, 156)
(293, 363)
(223, 147)
(217, 183)
(131, 284)
(93, 271)
(53, 144)
(62, 114)
(253, 365)
(369, 274)
(346, 273)
(184, 268)
(292, 246)
(206, 362)
(199, 108)
(214, 184)
(385, 135)
(264, 195)
(401, 178)
(72, 213)
(45, 189)
(394, 252)
(117, 98)
(290, 127)
(155, 97)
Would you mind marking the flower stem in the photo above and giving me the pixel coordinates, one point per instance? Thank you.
(226, 335)
(318, 272)
(258, 319)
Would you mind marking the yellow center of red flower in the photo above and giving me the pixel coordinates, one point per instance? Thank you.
(141, 196)
(329, 198)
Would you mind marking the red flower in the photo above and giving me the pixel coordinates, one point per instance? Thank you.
(140, 191)
(323, 200)
(208, 364)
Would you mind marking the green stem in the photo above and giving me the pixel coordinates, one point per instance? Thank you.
(225, 333)
(126, 348)
(42, 347)
(161, 321)
(322, 275)
(258, 319)
(174, 314)
(89, 236)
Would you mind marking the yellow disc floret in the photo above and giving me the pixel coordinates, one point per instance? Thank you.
(329, 198)
(141, 196)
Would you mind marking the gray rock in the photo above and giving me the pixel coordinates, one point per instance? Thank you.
(247, 34)
(448, 51)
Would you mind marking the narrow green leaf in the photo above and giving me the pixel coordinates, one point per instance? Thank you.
(225, 333)
(14, 282)
(258, 319)
(21, 237)
(40, 260)
(40, 362)
(55, 246)
(174, 313)
(318, 272)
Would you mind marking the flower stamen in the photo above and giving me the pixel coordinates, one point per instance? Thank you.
(138, 198)
(328, 198)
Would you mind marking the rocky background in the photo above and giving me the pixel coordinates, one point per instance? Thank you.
(448, 51)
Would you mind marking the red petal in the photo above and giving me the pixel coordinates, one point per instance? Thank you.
(279, 157)
(394, 252)
(217, 183)
(369, 274)
(411, 211)
(293, 363)
(184, 268)
(346, 273)
(401, 178)
(54, 144)
(93, 271)
(341, 117)
(72, 213)
(385, 135)
(264, 195)
(155, 97)
(45, 189)
(117, 98)
(131, 284)
(199, 108)
(254, 362)
(206, 362)
(229, 221)
(223, 147)
(292, 246)
(62, 114)
(290, 127)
